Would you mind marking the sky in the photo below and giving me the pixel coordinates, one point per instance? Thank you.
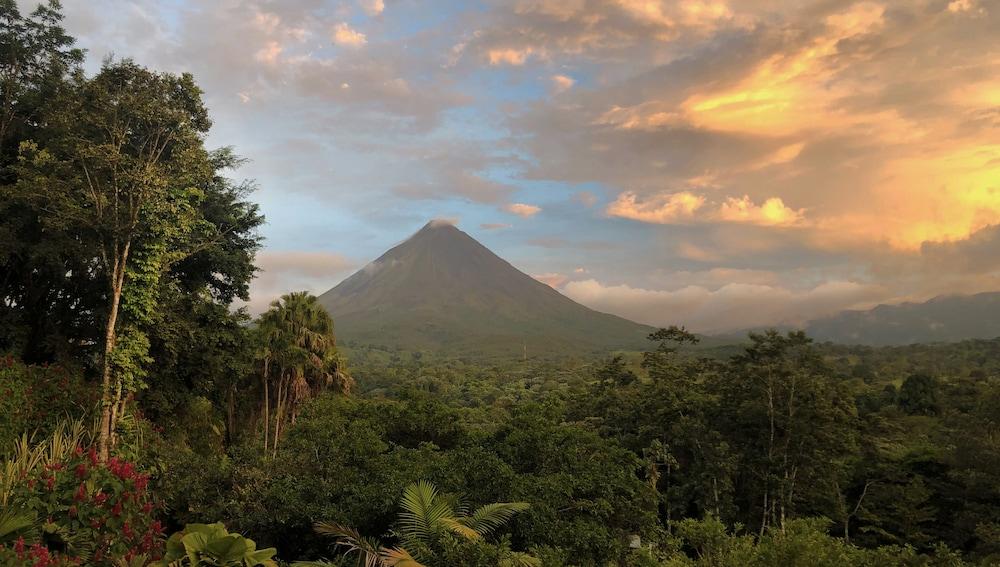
(715, 164)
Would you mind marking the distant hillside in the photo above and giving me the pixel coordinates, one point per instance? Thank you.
(442, 290)
(942, 319)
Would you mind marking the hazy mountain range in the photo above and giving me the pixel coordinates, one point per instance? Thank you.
(942, 319)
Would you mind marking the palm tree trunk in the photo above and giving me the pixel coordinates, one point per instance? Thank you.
(278, 414)
(267, 402)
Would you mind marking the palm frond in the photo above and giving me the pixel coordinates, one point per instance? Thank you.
(368, 549)
(15, 524)
(424, 514)
(399, 557)
(491, 517)
(457, 527)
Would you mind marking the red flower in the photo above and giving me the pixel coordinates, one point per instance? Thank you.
(81, 493)
(117, 509)
(81, 470)
(92, 455)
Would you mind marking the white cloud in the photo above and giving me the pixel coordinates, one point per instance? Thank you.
(687, 207)
(522, 209)
(269, 53)
(509, 56)
(773, 212)
(660, 209)
(373, 7)
(562, 83)
(347, 36)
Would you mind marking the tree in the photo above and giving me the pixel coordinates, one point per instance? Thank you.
(298, 353)
(39, 270)
(125, 164)
(918, 395)
(793, 425)
(661, 361)
(427, 521)
(35, 54)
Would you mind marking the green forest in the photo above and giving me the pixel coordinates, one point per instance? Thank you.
(146, 420)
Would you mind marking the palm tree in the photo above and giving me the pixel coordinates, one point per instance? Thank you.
(428, 517)
(298, 354)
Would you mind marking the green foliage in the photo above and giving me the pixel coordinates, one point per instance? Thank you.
(206, 545)
(37, 399)
(918, 395)
(432, 529)
(584, 491)
(706, 543)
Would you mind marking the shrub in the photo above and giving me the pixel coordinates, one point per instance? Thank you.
(38, 398)
(91, 512)
(212, 545)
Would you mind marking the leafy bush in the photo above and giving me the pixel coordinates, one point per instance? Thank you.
(212, 545)
(38, 398)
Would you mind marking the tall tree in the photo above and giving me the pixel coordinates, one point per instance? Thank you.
(793, 424)
(38, 269)
(298, 357)
(35, 55)
(126, 166)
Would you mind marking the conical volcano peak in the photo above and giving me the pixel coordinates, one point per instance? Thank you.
(435, 229)
(439, 223)
(442, 289)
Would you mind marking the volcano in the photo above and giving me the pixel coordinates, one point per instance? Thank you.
(441, 290)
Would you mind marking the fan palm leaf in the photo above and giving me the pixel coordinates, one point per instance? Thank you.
(15, 524)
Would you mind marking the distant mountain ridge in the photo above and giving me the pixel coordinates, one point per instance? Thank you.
(443, 290)
(941, 319)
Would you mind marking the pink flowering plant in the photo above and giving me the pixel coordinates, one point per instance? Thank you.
(90, 512)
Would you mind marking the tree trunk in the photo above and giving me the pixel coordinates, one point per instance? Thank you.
(278, 411)
(267, 404)
(104, 439)
(231, 414)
